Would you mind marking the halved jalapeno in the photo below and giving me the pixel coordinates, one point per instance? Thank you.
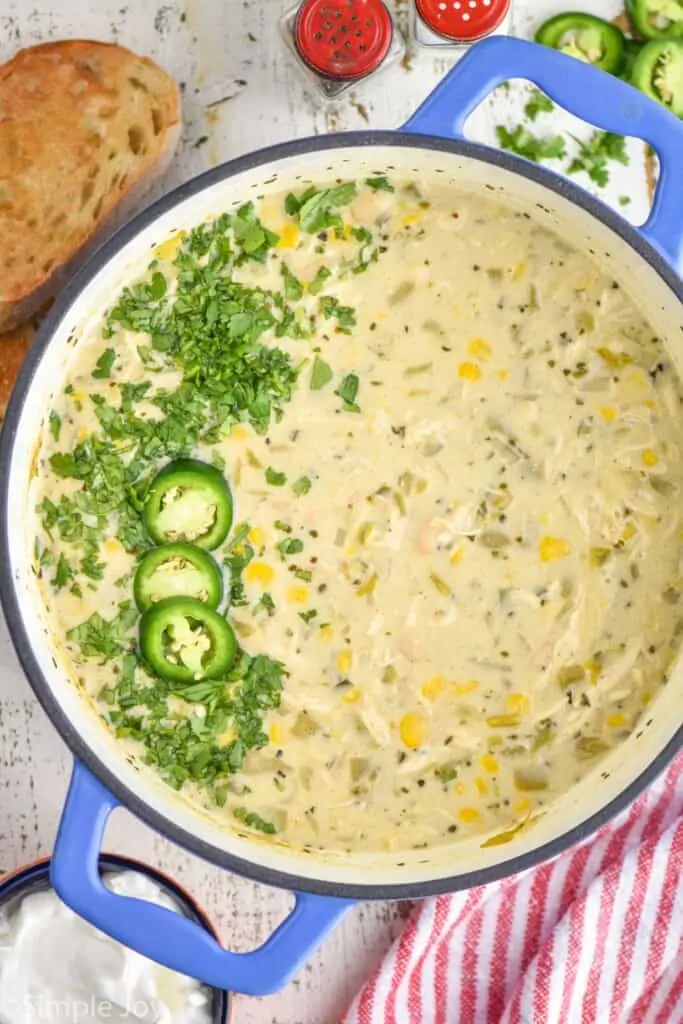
(184, 641)
(177, 570)
(190, 502)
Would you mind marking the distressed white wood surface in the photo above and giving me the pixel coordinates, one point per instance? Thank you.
(207, 45)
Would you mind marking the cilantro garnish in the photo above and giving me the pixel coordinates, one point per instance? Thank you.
(293, 287)
(240, 554)
(266, 603)
(308, 616)
(524, 143)
(380, 183)
(63, 573)
(104, 364)
(316, 209)
(253, 820)
(98, 637)
(538, 103)
(55, 424)
(321, 374)
(318, 282)
(594, 155)
(348, 391)
(301, 486)
(330, 307)
(274, 478)
(289, 546)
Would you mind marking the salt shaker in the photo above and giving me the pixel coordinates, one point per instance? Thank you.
(457, 23)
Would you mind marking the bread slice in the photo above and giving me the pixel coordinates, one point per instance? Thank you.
(13, 347)
(85, 129)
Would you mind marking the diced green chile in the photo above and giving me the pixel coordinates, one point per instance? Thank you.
(658, 72)
(189, 501)
(585, 37)
(177, 570)
(184, 641)
(657, 19)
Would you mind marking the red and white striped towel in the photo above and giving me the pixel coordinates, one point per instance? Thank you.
(592, 937)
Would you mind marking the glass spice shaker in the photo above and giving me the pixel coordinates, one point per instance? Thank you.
(457, 23)
(339, 43)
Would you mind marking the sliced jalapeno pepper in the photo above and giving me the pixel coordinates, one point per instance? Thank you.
(177, 570)
(657, 19)
(658, 72)
(586, 37)
(189, 501)
(184, 641)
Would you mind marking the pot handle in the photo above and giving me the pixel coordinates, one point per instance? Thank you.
(161, 934)
(598, 98)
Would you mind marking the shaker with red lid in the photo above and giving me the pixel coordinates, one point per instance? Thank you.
(457, 23)
(340, 43)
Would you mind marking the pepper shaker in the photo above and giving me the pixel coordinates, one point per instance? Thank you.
(456, 23)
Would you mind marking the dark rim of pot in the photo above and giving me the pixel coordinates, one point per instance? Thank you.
(8, 597)
(36, 877)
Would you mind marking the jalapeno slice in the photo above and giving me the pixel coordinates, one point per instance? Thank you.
(585, 37)
(177, 570)
(184, 641)
(631, 52)
(189, 501)
(658, 72)
(657, 19)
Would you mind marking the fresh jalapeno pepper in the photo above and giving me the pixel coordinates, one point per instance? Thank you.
(189, 501)
(184, 641)
(658, 72)
(657, 19)
(177, 570)
(586, 37)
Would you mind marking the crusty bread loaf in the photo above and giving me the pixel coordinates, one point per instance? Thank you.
(85, 129)
(13, 347)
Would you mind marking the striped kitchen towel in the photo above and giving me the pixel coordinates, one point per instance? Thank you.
(592, 937)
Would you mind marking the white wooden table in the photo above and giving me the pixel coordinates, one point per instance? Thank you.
(229, 51)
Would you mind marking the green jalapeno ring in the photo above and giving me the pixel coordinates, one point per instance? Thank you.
(177, 570)
(643, 12)
(184, 641)
(658, 72)
(586, 37)
(188, 502)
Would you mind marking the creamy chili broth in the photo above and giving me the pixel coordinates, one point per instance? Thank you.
(461, 540)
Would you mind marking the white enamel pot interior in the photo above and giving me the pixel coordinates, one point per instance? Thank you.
(585, 224)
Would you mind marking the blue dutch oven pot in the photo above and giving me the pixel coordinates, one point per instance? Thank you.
(431, 141)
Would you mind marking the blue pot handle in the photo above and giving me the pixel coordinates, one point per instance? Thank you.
(161, 934)
(598, 98)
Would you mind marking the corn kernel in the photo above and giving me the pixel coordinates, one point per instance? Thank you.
(434, 687)
(519, 272)
(456, 556)
(469, 371)
(645, 698)
(649, 457)
(460, 788)
(113, 545)
(326, 633)
(489, 763)
(256, 536)
(628, 532)
(288, 237)
(462, 689)
(412, 730)
(83, 433)
(259, 572)
(297, 595)
(344, 661)
(479, 349)
(482, 786)
(352, 696)
(238, 433)
(277, 734)
(608, 413)
(552, 548)
(616, 720)
(503, 375)
(411, 218)
(469, 815)
(593, 668)
(523, 805)
(518, 702)
(168, 249)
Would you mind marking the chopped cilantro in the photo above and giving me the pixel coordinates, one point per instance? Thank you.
(624, 200)
(157, 286)
(98, 637)
(321, 374)
(289, 546)
(266, 603)
(524, 143)
(538, 103)
(240, 555)
(316, 210)
(380, 183)
(308, 616)
(293, 287)
(274, 478)
(345, 316)
(104, 364)
(594, 155)
(63, 573)
(301, 486)
(348, 392)
(447, 772)
(55, 424)
(201, 141)
(252, 820)
(303, 574)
